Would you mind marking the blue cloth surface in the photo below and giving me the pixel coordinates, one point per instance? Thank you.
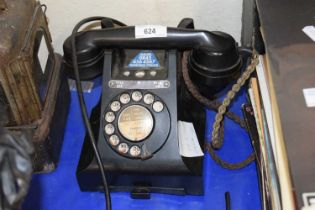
(59, 190)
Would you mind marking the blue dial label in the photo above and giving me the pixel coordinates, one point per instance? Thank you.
(144, 59)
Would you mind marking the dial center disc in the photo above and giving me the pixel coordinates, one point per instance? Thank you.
(135, 123)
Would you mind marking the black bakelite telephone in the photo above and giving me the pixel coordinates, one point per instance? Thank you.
(145, 108)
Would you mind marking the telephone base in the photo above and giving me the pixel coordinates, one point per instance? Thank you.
(141, 186)
(176, 175)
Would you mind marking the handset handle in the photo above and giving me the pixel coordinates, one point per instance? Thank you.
(214, 54)
(90, 43)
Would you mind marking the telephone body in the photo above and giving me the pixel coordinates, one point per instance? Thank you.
(143, 99)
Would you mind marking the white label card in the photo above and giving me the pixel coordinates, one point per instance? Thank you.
(310, 32)
(309, 95)
(309, 200)
(187, 140)
(150, 31)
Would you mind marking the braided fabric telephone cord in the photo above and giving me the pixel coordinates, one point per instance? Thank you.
(221, 108)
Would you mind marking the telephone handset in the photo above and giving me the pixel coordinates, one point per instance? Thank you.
(144, 99)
